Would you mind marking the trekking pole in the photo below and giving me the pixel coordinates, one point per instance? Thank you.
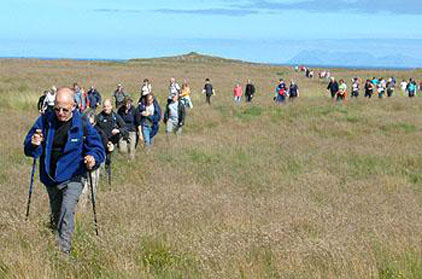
(109, 175)
(93, 202)
(108, 168)
(31, 184)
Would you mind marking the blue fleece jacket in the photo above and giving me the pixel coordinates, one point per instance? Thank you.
(71, 163)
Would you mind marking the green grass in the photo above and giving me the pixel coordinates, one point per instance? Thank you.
(399, 127)
(397, 265)
(249, 113)
(308, 189)
(162, 260)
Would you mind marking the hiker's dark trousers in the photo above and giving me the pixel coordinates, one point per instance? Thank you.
(63, 201)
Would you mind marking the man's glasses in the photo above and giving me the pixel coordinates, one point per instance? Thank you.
(65, 110)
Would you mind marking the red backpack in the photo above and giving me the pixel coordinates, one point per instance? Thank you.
(282, 91)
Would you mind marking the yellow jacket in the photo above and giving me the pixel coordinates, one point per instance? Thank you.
(185, 92)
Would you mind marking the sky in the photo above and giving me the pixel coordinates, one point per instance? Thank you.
(260, 31)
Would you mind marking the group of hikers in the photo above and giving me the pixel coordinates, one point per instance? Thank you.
(371, 86)
(72, 140)
(379, 86)
(123, 123)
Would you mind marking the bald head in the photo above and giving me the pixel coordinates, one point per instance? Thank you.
(64, 104)
(65, 95)
(107, 106)
(107, 102)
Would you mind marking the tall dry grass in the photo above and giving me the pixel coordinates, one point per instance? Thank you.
(310, 189)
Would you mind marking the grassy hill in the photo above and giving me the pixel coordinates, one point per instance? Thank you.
(191, 57)
(310, 189)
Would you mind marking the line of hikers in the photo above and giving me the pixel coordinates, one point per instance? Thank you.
(379, 86)
(91, 99)
(309, 73)
(174, 88)
(128, 122)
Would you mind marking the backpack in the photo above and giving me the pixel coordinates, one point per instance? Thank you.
(41, 103)
(208, 89)
(411, 87)
(282, 91)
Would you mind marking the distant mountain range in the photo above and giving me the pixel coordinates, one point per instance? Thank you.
(353, 59)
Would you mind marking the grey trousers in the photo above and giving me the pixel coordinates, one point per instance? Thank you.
(63, 201)
(173, 127)
(128, 145)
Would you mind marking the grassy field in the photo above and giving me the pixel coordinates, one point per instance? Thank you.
(309, 189)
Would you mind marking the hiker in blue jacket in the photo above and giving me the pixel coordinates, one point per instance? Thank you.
(94, 98)
(148, 115)
(68, 146)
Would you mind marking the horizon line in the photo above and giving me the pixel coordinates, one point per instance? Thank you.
(286, 64)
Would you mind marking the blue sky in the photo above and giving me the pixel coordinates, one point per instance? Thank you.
(265, 31)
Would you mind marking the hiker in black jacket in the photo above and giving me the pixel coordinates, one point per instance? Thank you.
(127, 144)
(112, 126)
(208, 90)
(249, 91)
(111, 123)
(332, 87)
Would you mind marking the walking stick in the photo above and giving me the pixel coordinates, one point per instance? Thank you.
(109, 175)
(93, 202)
(108, 168)
(31, 184)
